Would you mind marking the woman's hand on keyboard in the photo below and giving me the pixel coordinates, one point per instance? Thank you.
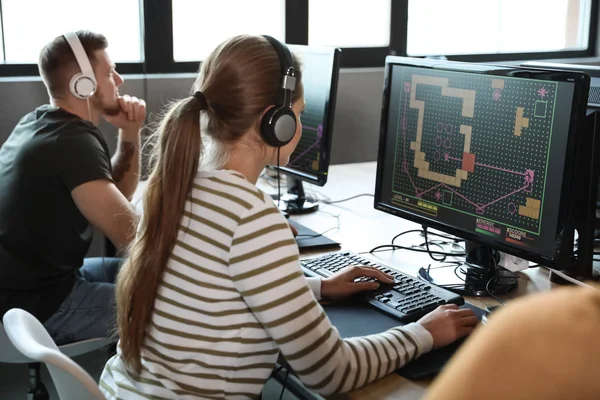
(448, 323)
(343, 284)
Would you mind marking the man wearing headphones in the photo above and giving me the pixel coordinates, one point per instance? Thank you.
(57, 181)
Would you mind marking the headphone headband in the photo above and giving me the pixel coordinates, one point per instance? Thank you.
(279, 124)
(288, 72)
(79, 87)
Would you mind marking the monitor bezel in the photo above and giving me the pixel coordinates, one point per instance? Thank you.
(320, 179)
(581, 87)
(592, 70)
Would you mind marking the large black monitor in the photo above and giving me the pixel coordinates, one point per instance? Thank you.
(310, 160)
(482, 152)
(593, 103)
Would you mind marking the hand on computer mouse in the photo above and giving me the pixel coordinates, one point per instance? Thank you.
(448, 323)
(342, 284)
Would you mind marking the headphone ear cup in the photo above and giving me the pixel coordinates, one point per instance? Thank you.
(82, 86)
(285, 126)
(278, 126)
(267, 128)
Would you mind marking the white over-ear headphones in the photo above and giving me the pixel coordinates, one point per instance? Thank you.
(82, 84)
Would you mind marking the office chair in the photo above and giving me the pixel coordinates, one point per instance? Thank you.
(25, 340)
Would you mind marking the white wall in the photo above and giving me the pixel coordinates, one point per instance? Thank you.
(355, 127)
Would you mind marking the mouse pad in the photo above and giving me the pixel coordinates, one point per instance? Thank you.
(360, 319)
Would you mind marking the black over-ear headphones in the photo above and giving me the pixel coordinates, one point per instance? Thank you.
(278, 125)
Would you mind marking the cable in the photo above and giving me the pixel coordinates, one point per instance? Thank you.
(347, 199)
(429, 251)
(87, 100)
(487, 289)
(453, 239)
(287, 372)
(278, 180)
(318, 234)
(398, 247)
(497, 278)
(336, 216)
(2, 33)
(469, 274)
(404, 233)
(495, 282)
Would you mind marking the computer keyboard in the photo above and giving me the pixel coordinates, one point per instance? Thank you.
(407, 299)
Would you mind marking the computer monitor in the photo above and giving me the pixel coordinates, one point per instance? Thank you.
(310, 160)
(592, 70)
(593, 103)
(482, 152)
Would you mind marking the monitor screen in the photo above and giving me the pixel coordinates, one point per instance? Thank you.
(480, 151)
(592, 70)
(320, 69)
(593, 101)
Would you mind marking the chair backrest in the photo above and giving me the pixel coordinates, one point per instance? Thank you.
(29, 336)
(8, 352)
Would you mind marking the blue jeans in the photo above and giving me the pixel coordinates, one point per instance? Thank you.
(89, 311)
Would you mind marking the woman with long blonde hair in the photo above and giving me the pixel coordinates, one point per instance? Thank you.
(213, 290)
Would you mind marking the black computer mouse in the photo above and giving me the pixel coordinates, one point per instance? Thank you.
(488, 311)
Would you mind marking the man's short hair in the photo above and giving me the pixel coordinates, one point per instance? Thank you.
(57, 63)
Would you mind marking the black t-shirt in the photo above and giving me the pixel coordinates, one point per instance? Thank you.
(43, 235)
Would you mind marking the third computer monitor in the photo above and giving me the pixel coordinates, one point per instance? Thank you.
(310, 160)
(483, 152)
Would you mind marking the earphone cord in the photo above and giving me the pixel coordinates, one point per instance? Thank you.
(278, 180)
(89, 110)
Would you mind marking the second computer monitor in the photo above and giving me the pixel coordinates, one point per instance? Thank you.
(483, 152)
(310, 161)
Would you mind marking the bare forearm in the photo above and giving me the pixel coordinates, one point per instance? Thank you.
(126, 163)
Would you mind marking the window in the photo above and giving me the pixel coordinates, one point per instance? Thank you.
(200, 25)
(441, 27)
(182, 32)
(341, 23)
(30, 24)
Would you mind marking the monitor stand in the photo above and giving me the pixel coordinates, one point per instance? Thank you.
(295, 202)
(477, 277)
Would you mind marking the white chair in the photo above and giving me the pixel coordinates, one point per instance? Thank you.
(25, 340)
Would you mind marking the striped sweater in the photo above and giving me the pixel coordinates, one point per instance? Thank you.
(233, 297)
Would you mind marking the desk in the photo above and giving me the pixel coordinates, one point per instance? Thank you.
(361, 228)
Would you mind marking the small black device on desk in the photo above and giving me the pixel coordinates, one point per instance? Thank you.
(308, 239)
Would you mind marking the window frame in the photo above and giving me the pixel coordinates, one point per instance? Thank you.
(158, 57)
(8, 70)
